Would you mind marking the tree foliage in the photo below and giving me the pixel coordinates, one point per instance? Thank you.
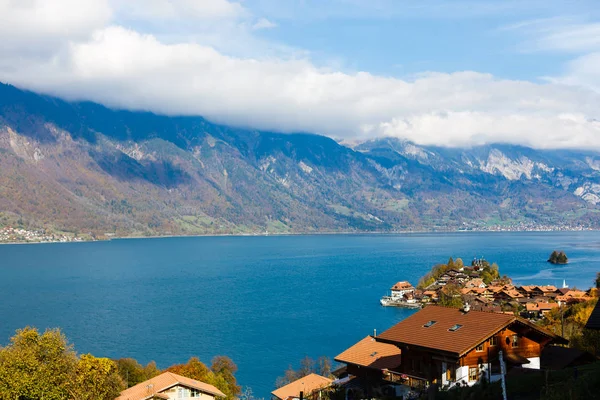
(220, 375)
(558, 257)
(45, 366)
(322, 366)
(35, 366)
(96, 379)
(133, 372)
(450, 296)
(572, 322)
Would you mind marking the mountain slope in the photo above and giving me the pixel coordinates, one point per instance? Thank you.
(81, 167)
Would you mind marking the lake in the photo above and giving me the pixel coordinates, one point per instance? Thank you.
(266, 302)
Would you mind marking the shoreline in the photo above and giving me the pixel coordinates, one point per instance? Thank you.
(333, 233)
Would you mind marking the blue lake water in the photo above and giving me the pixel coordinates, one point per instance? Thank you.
(266, 302)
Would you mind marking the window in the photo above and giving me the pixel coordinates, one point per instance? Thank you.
(494, 341)
(473, 373)
(454, 328)
(479, 348)
(428, 324)
(194, 393)
(515, 341)
(451, 373)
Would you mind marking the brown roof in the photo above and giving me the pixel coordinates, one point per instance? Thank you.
(307, 385)
(540, 306)
(594, 320)
(152, 387)
(371, 354)
(476, 327)
(402, 286)
(548, 288)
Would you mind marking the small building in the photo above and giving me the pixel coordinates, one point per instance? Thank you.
(507, 295)
(170, 386)
(475, 283)
(444, 346)
(367, 363)
(573, 296)
(539, 309)
(401, 289)
(309, 387)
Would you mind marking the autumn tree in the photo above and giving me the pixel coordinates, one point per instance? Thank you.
(322, 366)
(450, 296)
(36, 366)
(133, 372)
(223, 379)
(95, 379)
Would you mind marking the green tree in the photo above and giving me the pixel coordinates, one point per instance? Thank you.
(597, 281)
(37, 366)
(450, 296)
(450, 263)
(133, 373)
(96, 379)
(223, 380)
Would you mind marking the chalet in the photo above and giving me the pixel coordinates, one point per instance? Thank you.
(548, 289)
(170, 386)
(309, 387)
(528, 290)
(573, 296)
(429, 295)
(445, 346)
(539, 309)
(452, 275)
(367, 363)
(475, 283)
(507, 295)
(401, 289)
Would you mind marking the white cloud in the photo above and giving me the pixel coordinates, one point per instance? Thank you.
(124, 68)
(264, 23)
(176, 10)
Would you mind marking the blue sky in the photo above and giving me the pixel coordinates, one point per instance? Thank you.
(449, 73)
(393, 38)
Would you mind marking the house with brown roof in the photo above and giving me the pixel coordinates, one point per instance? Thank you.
(573, 296)
(507, 295)
(170, 386)
(369, 357)
(443, 346)
(475, 283)
(539, 309)
(401, 289)
(310, 386)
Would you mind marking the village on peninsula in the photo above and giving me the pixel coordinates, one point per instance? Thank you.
(475, 335)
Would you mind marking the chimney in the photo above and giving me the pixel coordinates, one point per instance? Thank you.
(374, 332)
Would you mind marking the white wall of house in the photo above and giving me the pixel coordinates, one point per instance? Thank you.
(534, 363)
(400, 293)
(184, 393)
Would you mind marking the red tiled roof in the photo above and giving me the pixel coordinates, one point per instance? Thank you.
(476, 326)
(371, 354)
(307, 385)
(402, 286)
(153, 387)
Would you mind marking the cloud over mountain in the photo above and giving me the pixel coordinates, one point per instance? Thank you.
(116, 55)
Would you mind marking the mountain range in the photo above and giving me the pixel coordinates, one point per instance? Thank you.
(82, 168)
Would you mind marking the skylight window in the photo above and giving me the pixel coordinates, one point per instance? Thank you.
(430, 323)
(454, 328)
